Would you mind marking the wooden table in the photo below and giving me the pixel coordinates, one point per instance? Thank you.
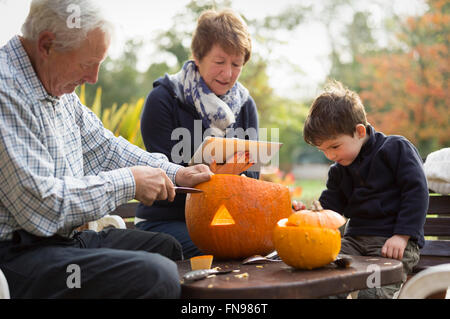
(278, 280)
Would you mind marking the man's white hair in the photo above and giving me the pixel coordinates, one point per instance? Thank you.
(69, 20)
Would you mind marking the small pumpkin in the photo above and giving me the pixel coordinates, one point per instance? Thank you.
(309, 239)
(235, 216)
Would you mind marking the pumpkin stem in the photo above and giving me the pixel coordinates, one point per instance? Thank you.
(315, 206)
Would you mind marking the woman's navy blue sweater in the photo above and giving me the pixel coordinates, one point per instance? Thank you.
(163, 113)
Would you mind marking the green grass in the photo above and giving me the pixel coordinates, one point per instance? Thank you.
(311, 190)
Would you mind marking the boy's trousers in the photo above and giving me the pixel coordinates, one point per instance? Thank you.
(113, 263)
(371, 246)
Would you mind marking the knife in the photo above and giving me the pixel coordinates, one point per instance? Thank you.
(203, 273)
(185, 190)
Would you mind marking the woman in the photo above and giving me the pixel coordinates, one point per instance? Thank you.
(203, 94)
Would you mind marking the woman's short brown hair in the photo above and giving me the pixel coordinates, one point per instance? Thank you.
(225, 28)
(335, 112)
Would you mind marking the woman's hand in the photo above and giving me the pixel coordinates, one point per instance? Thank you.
(192, 175)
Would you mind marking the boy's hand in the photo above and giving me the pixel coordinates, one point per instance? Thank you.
(395, 246)
(298, 205)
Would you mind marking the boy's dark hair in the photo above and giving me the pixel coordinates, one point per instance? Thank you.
(334, 112)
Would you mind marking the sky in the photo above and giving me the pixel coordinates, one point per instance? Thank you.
(305, 49)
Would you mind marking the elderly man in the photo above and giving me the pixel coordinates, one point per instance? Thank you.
(60, 168)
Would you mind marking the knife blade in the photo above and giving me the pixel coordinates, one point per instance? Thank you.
(185, 190)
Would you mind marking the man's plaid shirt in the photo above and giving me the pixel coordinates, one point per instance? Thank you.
(59, 167)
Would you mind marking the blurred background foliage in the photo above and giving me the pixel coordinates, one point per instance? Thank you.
(403, 80)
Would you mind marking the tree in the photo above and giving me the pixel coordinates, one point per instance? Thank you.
(120, 80)
(176, 40)
(359, 41)
(275, 112)
(406, 89)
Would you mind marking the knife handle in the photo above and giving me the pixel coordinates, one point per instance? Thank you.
(198, 274)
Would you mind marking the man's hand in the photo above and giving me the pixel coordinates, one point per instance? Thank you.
(193, 175)
(152, 184)
(395, 246)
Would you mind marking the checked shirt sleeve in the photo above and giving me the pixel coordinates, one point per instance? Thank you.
(103, 151)
(35, 197)
(41, 191)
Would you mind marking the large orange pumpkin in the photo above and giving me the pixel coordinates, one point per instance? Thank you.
(235, 216)
(309, 238)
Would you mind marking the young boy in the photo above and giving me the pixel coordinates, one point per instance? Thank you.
(377, 182)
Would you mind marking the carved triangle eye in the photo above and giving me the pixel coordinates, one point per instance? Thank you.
(222, 217)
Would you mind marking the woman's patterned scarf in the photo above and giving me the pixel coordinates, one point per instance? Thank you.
(217, 112)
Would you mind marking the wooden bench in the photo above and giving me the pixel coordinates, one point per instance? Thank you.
(437, 232)
(127, 212)
(437, 225)
(436, 250)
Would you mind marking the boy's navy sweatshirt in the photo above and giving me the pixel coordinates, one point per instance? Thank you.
(384, 192)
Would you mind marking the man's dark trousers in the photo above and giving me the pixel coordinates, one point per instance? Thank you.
(113, 263)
